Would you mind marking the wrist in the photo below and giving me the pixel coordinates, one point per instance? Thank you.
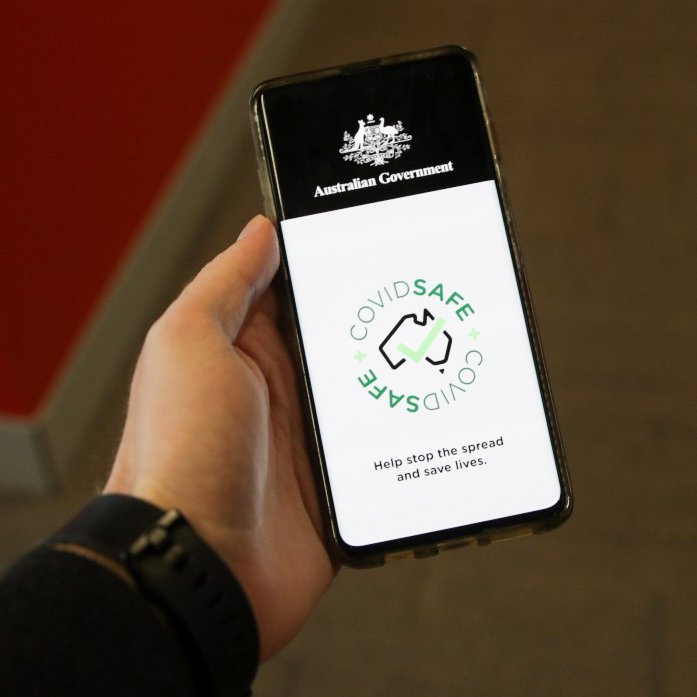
(229, 544)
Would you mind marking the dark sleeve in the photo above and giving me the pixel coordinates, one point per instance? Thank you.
(70, 627)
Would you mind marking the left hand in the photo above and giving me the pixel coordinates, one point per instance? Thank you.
(215, 429)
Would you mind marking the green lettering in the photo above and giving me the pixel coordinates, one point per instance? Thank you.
(376, 392)
(367, 379)
(395, 400)
(413, 402)
(437, 290)
(465, 310)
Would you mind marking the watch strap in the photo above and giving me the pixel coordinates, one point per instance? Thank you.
(182, 576)
(109, 524)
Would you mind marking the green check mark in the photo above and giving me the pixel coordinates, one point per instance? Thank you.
(419, 353)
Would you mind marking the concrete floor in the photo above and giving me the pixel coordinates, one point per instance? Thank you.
(595, 105)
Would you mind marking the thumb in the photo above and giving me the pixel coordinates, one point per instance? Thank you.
(228, 285)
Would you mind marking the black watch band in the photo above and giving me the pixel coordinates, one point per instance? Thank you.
(180, 574)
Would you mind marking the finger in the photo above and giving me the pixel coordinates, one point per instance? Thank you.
(230, 284)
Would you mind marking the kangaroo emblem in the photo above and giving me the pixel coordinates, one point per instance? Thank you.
(359, 137)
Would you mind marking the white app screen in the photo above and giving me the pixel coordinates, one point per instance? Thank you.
(421, 371)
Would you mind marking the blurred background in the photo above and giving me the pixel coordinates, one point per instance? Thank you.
(595, 106)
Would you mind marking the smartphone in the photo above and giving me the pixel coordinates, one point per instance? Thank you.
(426, 389)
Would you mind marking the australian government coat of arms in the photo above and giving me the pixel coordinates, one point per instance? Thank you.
(375, 143)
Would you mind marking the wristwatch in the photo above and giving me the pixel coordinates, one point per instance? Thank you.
(183, 577)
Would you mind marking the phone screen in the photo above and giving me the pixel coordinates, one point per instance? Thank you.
(427, 396)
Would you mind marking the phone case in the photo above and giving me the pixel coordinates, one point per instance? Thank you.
(265, 168)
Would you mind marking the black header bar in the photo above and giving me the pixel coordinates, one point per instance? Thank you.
(384, 131)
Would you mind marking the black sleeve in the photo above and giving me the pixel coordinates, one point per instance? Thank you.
(70, 627)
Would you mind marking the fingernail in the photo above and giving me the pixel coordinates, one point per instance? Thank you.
(252, 225)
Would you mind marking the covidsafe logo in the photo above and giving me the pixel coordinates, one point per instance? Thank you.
(418, 345)
(375, 143)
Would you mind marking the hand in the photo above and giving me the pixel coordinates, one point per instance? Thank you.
(215, 429)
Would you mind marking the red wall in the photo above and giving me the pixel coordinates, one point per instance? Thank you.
(99, 101)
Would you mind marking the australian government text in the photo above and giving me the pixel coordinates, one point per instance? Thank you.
(383, 178)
